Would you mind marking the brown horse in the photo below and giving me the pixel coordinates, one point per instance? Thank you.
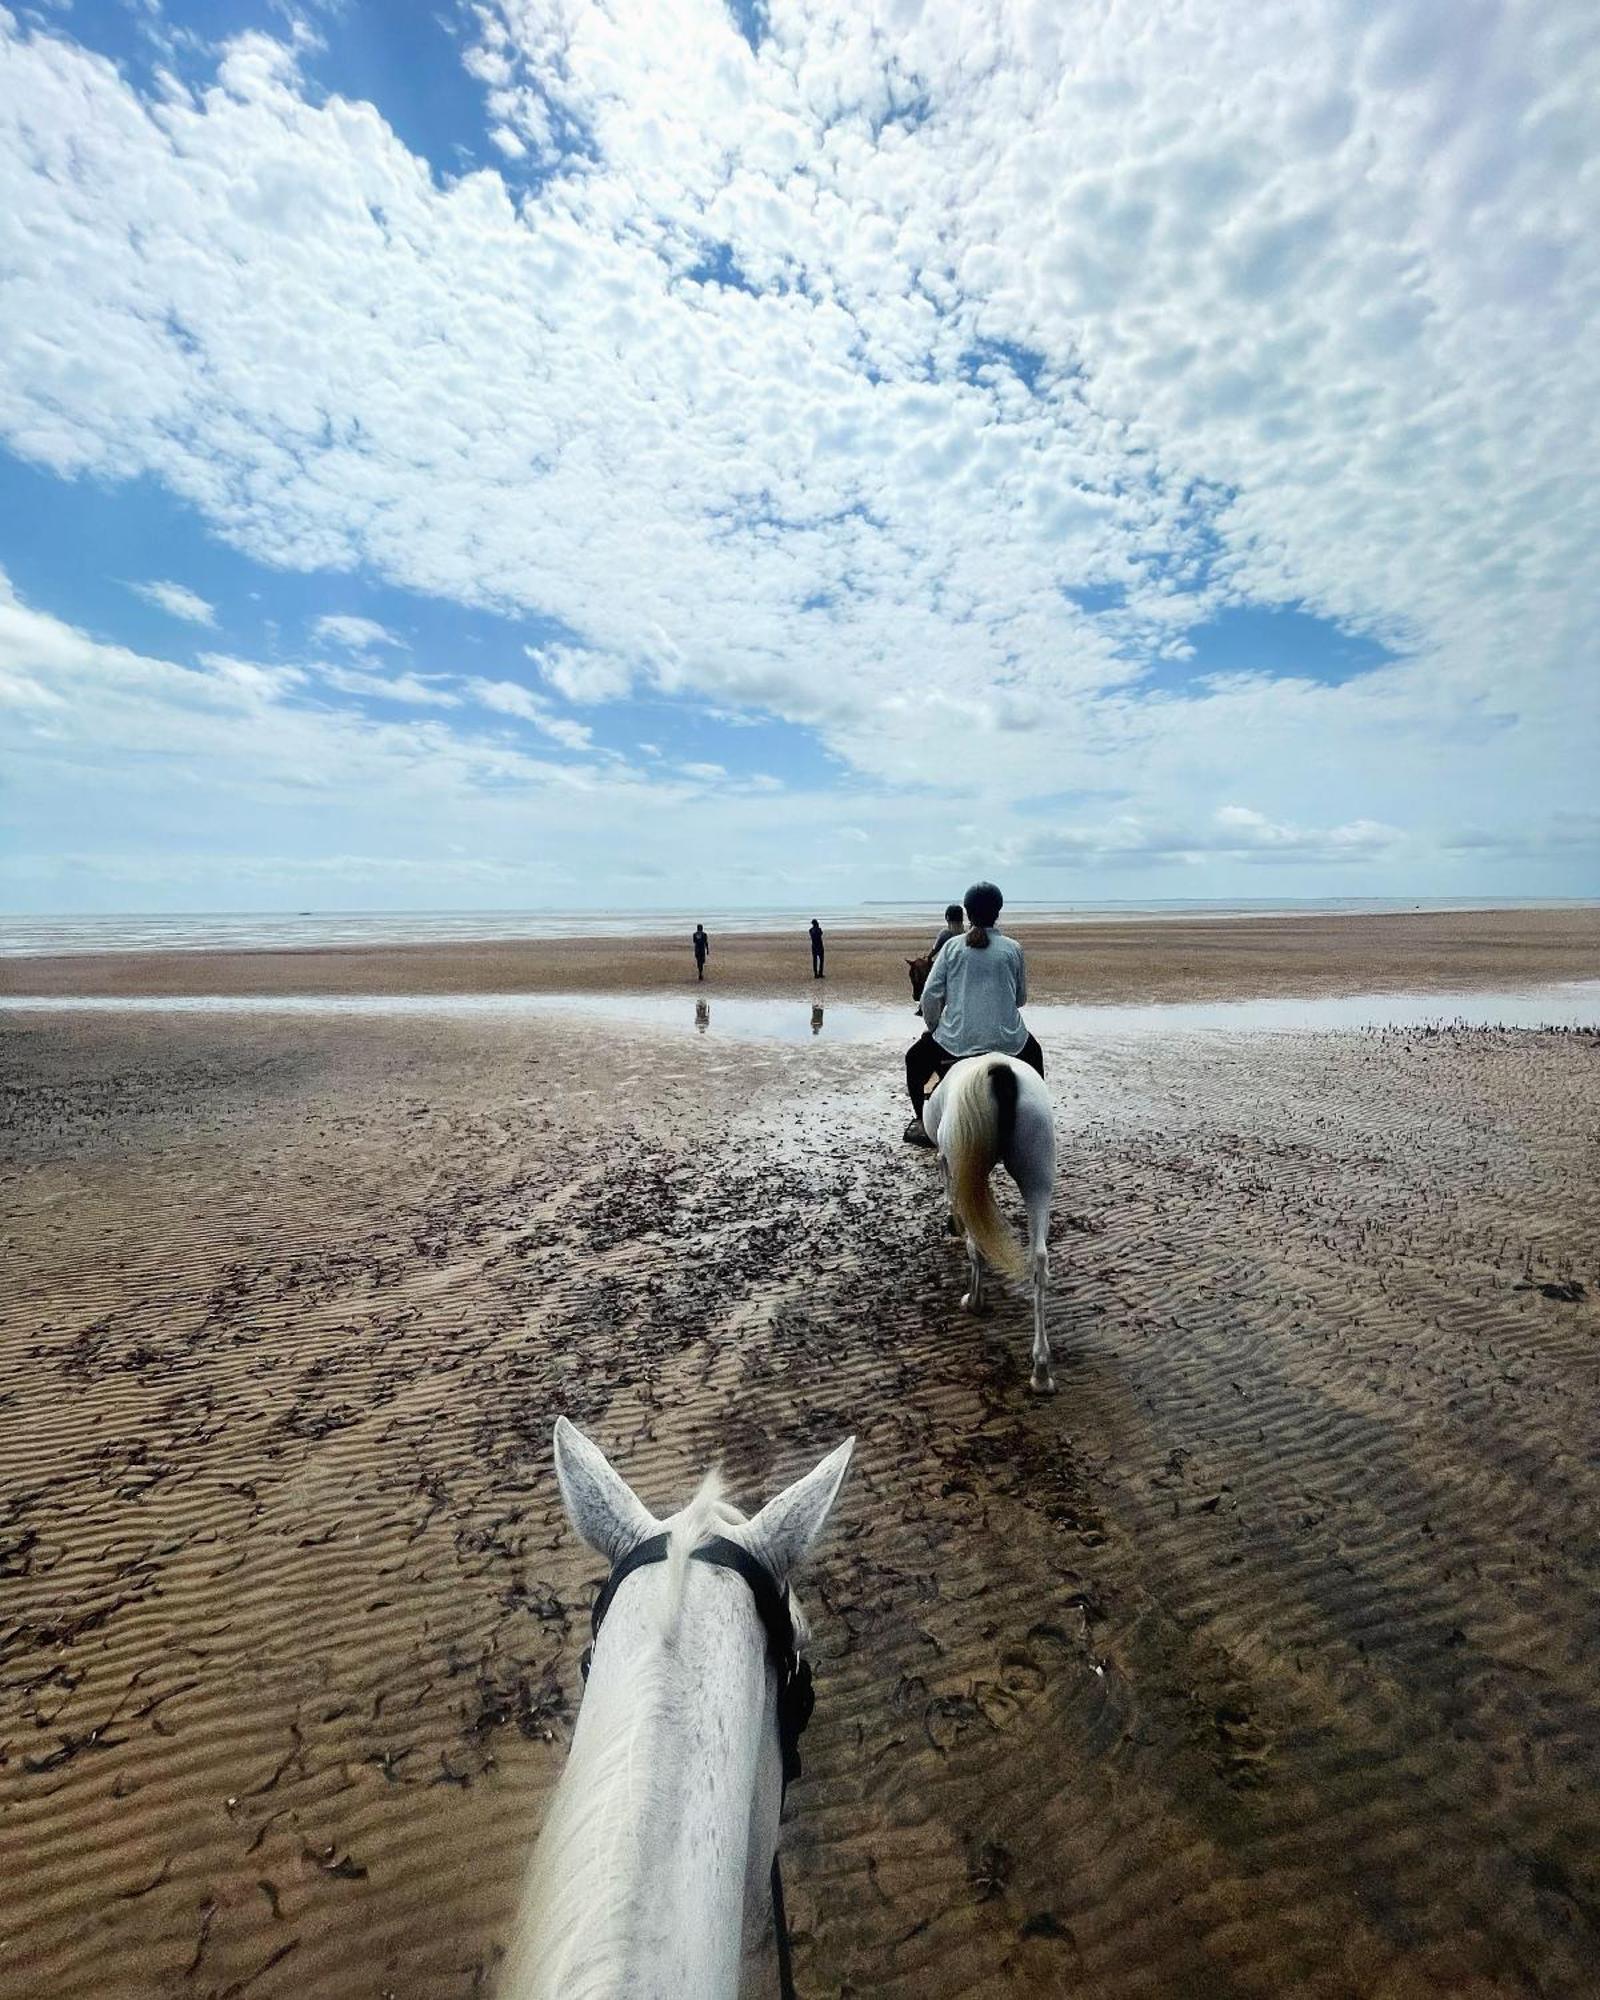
(918, 970)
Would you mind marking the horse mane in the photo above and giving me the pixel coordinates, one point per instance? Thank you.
(584, 1879)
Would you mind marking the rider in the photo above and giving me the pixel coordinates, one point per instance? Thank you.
(970, 1003)
(954, 925)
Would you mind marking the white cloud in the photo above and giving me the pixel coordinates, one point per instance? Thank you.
(1238, 832)
(825, 372)
(250, 677)
(1242, 830)
(178, 600)
(233, 784)
(511, 698)
(416, 690)
(582, 675)
(358, 635)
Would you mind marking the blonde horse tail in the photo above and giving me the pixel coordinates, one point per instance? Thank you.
(981, 1122)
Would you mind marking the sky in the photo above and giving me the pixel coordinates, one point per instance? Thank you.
(534, 453)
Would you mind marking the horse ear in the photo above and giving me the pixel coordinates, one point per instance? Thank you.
(790, 1522)
(600, 1503)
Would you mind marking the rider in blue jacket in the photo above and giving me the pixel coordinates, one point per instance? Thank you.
(972, 1004)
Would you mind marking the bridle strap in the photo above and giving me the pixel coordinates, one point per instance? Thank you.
(654, 1550)
(772, 1604)
(780, 1933)
(795, 1696)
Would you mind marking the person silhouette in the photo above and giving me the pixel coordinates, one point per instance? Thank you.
(816, 951)
(702, 945)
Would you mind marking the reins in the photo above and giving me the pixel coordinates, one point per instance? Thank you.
(796, 1697)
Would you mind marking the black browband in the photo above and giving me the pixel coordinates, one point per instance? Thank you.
(796, 1698)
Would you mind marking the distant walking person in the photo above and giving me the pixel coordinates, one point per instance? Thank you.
(816, 951)
(702, 944)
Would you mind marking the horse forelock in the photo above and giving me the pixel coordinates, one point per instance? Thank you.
(707, 1514)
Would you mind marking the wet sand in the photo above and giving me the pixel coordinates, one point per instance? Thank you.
(1136, 960)
(1261, 1661)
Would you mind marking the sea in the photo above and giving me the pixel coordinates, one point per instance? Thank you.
(36, 936)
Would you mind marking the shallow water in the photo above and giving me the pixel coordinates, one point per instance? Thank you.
(1572, 1003)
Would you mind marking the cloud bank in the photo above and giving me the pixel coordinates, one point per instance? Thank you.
(930, 378)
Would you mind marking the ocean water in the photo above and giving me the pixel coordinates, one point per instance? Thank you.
(35, 936)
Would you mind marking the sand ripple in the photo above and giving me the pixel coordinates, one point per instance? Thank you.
(1261, 1661)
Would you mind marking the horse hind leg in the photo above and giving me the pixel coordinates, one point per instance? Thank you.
(973, 1297)
(953, 1225)
(1043, 1382)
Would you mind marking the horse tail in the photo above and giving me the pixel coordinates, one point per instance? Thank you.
(982, 1120)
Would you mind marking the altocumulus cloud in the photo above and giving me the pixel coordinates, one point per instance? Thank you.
(924, 378)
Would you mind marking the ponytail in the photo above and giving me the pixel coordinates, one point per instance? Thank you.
(984, 903)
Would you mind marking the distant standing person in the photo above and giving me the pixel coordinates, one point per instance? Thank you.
(816, 951)
(702, 944)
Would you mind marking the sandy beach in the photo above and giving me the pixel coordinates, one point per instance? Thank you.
(1261, 1661)
(1129, 959)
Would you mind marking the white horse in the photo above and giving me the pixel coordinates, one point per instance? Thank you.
(995, 1111)
(651, 1874)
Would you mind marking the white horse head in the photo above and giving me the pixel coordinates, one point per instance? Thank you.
(994, 1111)
(652, 1868)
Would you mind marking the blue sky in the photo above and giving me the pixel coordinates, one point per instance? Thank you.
(540, 454)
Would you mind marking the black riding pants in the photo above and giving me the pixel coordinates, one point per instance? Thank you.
(925, 1059)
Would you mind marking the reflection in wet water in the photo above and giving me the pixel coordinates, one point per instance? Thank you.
(1574, 1003)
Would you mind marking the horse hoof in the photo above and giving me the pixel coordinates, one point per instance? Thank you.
(967, 1303)
(1042, 1385)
